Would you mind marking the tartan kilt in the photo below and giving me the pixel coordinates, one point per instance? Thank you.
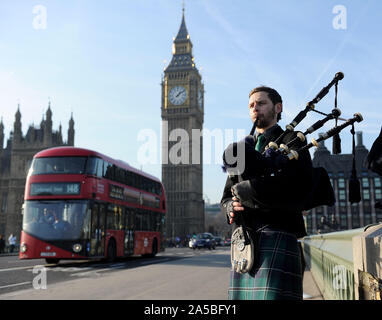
(277, 272)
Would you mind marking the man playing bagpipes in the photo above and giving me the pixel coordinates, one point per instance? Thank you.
(268, 196)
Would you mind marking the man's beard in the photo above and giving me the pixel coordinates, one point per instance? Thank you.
(266, 119)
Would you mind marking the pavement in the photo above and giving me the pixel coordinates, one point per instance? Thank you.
(311, 291)
(310, 288)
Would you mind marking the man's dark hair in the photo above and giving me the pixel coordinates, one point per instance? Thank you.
(273, 95)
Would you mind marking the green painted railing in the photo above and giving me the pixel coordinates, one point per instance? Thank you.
(330, 258)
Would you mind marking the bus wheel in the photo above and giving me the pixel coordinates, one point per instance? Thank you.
(111, 251)
(52, 261)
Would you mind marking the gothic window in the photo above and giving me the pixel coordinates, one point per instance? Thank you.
(4, 202)
(341, 183)
(365, 182)
(343, 221)
(343, 207)
(366, 207)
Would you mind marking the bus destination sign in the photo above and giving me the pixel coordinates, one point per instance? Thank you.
(54, 188)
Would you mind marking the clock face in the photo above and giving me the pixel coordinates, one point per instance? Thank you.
(200, 98)
(178, 95)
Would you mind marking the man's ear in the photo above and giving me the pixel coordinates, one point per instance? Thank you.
(279, 107)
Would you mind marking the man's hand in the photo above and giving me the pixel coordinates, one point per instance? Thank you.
(237, 206)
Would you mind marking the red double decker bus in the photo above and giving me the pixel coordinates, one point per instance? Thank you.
(81, 204)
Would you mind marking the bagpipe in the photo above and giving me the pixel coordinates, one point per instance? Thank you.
(242, 162)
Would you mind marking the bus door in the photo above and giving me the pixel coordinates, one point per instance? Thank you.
(97, 240)
(129, 231)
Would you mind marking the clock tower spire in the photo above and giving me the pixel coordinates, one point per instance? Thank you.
(182, 111)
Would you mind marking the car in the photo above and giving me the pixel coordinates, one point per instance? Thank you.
(203, 240)
(191, 243)
(219, 242)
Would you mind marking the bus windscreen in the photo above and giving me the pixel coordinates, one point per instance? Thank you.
(57, 220)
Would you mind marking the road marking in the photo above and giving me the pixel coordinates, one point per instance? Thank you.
(70, 269)
(15, 285)
(17, 268)
(91, 272)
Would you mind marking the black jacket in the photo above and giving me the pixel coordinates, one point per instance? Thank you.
(275, 200)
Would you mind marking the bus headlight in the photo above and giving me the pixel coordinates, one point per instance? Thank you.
(23, 247)
(77, 248)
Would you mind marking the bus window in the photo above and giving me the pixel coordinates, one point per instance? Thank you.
(108, 171)
(130, 218)
(133, 180)
(138, 219)
(158, 219)
(86, 227)
(119, 174)
(66, 220)
(58, 165)
(110, 217)
(145, 220)
(91, 166)
(123, 221)
(120, 218)
(99, 168)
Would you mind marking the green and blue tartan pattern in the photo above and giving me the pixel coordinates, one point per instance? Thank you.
(277, 273)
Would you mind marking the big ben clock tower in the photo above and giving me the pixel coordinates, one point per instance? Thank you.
(182, 113)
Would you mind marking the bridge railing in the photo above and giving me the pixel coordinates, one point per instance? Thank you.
(330, 259)
(346, 265)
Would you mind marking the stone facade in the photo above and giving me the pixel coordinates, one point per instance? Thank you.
(344, 214)
(182, 112)
(15, 160)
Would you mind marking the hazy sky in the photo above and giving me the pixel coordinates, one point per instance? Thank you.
(104, 60)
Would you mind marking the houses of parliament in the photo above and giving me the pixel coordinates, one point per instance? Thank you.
(15, 159)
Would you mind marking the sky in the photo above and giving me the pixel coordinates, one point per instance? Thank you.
(103, 62)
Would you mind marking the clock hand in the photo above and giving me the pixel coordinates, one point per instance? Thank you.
(180, 92)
